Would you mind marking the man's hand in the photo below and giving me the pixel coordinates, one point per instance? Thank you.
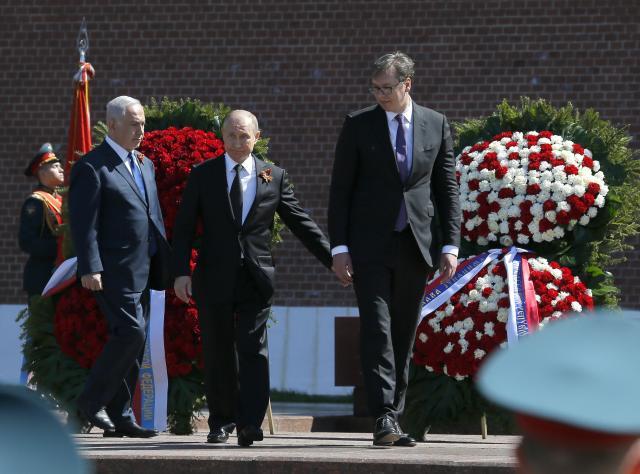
(448, 264)
(343, 268)
(92, 281)
(182, 287)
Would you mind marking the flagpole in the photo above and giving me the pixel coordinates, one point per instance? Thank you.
(82, 42)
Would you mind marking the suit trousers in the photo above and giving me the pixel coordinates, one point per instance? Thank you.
(389, 295)
(113, 377)
(236, 358)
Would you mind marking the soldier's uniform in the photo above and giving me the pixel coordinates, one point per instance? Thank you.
(40, 217)
(574, 390)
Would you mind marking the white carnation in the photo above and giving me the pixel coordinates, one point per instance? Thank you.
(488, 327)
(479, 353)
(506, 241)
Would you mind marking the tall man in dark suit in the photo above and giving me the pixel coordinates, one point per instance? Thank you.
(393, 170)
(119, 237)
(236, 198)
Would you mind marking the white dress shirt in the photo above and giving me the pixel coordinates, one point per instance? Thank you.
(407, 123)
(248, 181)
(122, 153)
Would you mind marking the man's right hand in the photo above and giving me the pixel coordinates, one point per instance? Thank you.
(92, 281)
(182, 287)
(343, 268)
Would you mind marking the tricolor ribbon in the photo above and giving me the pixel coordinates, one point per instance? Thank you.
(523, 311)
(523, 308)
(150, 401)
(63, 277)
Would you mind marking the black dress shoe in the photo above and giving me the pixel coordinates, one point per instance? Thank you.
(219, 435)
(405, 440)
(385, 432)
(99, 419)
(130, 430)
(249, 434)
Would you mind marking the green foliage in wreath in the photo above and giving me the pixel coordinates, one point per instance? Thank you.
(54, 373)
(440, 404)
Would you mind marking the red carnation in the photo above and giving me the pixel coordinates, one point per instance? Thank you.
(571, 169)
(593, 189)
(506, 193)
(533, 189)
(501, 171)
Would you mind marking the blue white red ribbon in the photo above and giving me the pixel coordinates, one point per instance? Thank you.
(523, 308)
(63, 277)
(523, 312)
(438, 293)
(150, 403)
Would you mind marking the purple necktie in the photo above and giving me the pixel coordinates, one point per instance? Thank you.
(403, 169)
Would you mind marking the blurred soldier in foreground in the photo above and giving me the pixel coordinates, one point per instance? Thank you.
(39, 219)
(32, 439)
(576, 395)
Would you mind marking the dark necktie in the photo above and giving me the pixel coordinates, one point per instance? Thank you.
(235, 194)
(137, 177)
(403, 170)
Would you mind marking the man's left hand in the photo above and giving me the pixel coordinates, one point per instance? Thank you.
(448, 265)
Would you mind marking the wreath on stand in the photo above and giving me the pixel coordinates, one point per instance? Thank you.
(563, 185)
(65, 334)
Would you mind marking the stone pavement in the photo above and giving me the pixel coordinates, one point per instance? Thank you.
(335, 453)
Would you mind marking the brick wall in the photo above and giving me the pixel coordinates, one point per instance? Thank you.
(301, 66)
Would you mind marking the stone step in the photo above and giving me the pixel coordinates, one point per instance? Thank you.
(301, 453)
(307, 424)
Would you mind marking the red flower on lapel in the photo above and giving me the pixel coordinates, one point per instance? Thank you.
(140, 156)
(266, 175)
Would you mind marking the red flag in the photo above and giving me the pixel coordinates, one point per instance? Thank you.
(80, 129)
(79, 133)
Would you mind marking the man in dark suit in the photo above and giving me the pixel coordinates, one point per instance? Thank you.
(394, 170)
(236, 198)
(119, 237)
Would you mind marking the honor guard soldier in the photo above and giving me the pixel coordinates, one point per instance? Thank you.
(575, 392)
(40, 217)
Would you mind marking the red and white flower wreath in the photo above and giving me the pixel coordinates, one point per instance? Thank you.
(455, 339)
(527, 186)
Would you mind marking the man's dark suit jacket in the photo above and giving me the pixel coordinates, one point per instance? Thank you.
(222, 243)
(366, 190)
(110, 222)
